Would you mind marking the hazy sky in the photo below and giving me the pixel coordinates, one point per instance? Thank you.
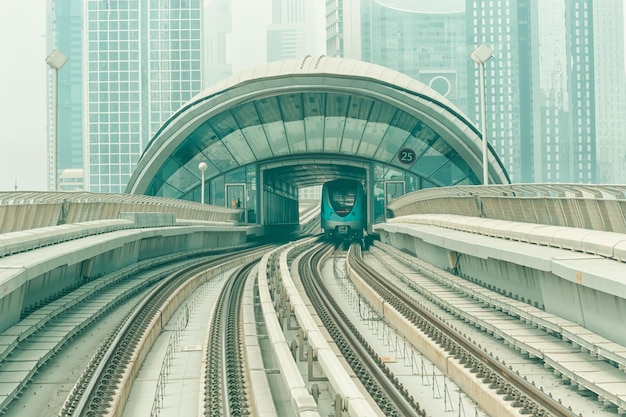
(23, 89)
(23, 95)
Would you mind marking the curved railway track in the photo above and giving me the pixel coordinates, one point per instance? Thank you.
(507, 382)
(225, 382)
(392, 398)
(99, 386)
(226, 388)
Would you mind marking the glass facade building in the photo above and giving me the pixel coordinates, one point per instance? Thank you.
(610, 91)
(503, 26)
(140, 60)
(290, 35)
(555, 88)
(65, 33)
(424, 41)
(143, 63)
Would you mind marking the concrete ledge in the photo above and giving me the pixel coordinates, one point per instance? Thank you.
(32, 278)
(583, 288)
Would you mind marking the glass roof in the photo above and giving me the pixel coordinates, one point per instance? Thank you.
(235, 126)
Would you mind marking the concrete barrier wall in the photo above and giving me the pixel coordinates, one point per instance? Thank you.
(33, 278)
(22, 211)
(582, 288)
(597, 207)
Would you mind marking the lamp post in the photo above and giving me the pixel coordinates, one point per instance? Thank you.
(480, 56)
(55, 60)
(202, 166)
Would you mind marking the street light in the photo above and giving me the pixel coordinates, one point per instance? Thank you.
(202, 166)
(480, 56)
(55, 60)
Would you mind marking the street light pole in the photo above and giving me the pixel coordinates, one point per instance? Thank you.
(480, 56)
(55, 60)
(202, 166)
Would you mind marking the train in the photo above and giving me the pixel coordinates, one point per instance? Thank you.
(343, 210)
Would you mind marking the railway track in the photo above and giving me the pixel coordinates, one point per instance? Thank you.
(54, 325)
(387, 391)
(104, 385)
(225, 380)
(523, 394)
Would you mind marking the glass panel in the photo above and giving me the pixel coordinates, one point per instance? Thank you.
(203, 136)
(268, 110)
(192, 166)
(295, 136)
(393, 140)
(337, 105)
(291, 107)
(352, 136)
(428, 164)
(223, 124)
(333, 130)
(217, 191)
(258, 142)
(372, 136)
(380, 116)
(277, 139)
(313, 104)
(314, 133)
(170, 192)
(393, 191)
(246, 115)
(441, 174)
(459, 170)
(235, 197)
(359, 108)
(219, 155)
(168, 169)
(238, 146)
(155, 188)
(184, 180)
(251, 200)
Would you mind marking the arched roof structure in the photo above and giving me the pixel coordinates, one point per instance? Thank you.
(304, 116)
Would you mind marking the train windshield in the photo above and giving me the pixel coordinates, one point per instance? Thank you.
(342, 198)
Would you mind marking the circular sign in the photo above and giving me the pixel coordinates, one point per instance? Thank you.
(441, 85)
(406, 156)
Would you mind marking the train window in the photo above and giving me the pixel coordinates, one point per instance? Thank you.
(342, 198)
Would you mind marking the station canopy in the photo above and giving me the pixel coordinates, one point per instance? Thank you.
(311, 120)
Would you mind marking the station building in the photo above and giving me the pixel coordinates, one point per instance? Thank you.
(267, 132)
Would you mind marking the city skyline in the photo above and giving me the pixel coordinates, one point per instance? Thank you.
(23, 145)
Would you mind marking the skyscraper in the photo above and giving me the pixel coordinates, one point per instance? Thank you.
(217, 28)
(610, 90)
(503, 26)
(64, 33)
(556, 105)
(563, 92)
(140, 60)
(423, 39)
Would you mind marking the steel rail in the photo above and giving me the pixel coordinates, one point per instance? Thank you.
(225, 382)
(392, 398)
(525, 394)
(93, 397)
